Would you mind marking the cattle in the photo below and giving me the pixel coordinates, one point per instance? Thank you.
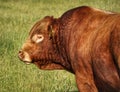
(84, 41)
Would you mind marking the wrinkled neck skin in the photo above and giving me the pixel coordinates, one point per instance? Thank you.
(59, 46)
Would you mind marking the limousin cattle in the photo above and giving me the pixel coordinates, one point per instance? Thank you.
(84, 41)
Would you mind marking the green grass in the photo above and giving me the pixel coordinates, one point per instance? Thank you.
(16, 19)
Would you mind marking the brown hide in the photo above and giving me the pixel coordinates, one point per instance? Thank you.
(84, 41)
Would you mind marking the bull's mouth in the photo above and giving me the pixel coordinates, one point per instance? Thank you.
(28, 63)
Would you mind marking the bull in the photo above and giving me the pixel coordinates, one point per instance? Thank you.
(84, 41)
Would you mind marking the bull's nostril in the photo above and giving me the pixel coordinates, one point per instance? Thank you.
(21, 54)
(20, 51)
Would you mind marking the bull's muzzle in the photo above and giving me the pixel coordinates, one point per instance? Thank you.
(24, 56)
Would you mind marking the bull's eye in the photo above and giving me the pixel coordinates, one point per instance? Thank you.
(38, 38)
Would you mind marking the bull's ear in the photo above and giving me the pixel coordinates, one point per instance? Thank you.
(46, 22)
(48, 17)
(50, 31)
(50, 20)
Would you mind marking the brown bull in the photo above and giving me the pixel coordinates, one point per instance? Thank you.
(84, 41)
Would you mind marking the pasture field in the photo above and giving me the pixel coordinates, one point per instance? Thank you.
(16, 19)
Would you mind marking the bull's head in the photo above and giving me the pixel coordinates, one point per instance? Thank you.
(38, 48)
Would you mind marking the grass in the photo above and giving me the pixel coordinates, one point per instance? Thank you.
(16, 19)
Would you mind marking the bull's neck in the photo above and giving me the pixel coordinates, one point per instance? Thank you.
(59, 45)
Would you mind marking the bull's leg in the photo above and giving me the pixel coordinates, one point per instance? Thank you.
(84, 77)
(85, 84)
(105, 72)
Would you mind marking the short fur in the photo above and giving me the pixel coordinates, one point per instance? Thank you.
(84, 41)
